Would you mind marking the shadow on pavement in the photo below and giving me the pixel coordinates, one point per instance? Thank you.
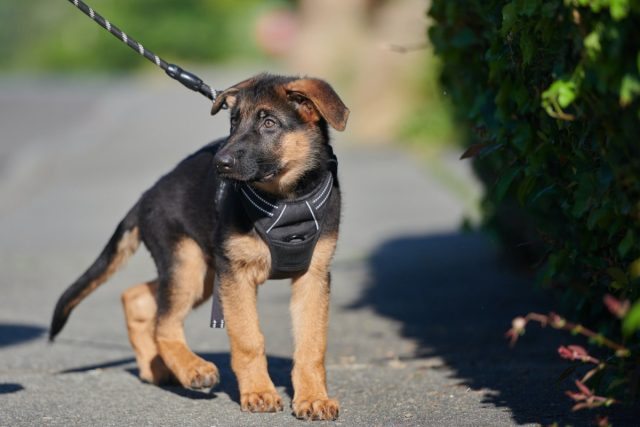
(14, 333)
(279, 369)
(455, 298)
(104, 365)
(8, 388)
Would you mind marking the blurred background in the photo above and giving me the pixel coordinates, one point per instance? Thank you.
(419, 307)
(374, 51)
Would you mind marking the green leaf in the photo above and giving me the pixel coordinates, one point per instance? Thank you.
(580, 206)
(626, 243)
(464, 38)
(539, 194)
(618, 382)
(550, 9)
(561, 93)
(618, 275)
(631, 321)
(504, 94)
(528, 7)
(629, 89)
(504, 183)
(566, 93)
(616, 226)
(596, 216)
(615, 285)
(583, 196)
(592, 45)
(634, 269)
(619, 9)
(509, 17)
(525, 188)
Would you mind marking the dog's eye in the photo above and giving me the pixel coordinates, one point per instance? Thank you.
(269, 123)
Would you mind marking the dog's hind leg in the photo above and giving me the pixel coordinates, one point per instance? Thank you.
(187, 283)
(140, 310)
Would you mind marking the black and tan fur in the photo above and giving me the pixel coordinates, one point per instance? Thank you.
(279, 143)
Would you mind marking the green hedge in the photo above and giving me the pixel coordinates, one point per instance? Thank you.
(550, 94)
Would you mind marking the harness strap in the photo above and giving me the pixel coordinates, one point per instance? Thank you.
(217, 317)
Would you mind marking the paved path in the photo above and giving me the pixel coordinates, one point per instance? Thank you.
(418, 309)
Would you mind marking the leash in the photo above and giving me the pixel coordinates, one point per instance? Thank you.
(187, 78)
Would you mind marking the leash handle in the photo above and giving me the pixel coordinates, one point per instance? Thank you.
(187, 78)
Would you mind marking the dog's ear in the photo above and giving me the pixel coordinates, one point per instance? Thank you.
(314, 98)
(227, 98)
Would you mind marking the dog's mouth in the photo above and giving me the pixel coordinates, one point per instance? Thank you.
(257, 177)
(268, 177)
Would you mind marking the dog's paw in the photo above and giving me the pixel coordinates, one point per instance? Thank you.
(156, 372)
(321, 409)
(268, 401)
(200, 374)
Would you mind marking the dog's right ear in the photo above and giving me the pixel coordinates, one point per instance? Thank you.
(227, 98)
(315, 96)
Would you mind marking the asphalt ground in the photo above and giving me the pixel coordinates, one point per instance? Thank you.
(418, 308)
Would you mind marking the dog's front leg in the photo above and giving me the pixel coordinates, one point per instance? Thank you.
(248, 358)
(309, 314)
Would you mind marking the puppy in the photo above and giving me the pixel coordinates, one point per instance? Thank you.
(262, 203)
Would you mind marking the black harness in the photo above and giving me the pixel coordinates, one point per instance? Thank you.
(290, 228)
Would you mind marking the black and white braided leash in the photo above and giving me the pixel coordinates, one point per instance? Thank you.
(188, 79)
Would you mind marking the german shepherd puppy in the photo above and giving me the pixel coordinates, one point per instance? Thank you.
(279, 146)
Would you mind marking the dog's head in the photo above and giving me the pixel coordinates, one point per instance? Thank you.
(278, 129)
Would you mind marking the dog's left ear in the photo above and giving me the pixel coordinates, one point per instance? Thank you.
(227, 98)
(314, 98)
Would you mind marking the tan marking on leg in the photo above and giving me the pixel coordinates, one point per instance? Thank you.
(309, 315)
(140, 310)
(209, 278)
(295, 155)
(249, 257)
(250, 265)
(186, 289)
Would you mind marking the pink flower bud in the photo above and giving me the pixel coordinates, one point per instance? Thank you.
(519, 323)
(615, 306)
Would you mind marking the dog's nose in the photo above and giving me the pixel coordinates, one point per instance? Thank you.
(224, 162)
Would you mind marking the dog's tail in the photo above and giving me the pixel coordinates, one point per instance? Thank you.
(121, 246)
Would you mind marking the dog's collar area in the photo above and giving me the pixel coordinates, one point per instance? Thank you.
(272, 208)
